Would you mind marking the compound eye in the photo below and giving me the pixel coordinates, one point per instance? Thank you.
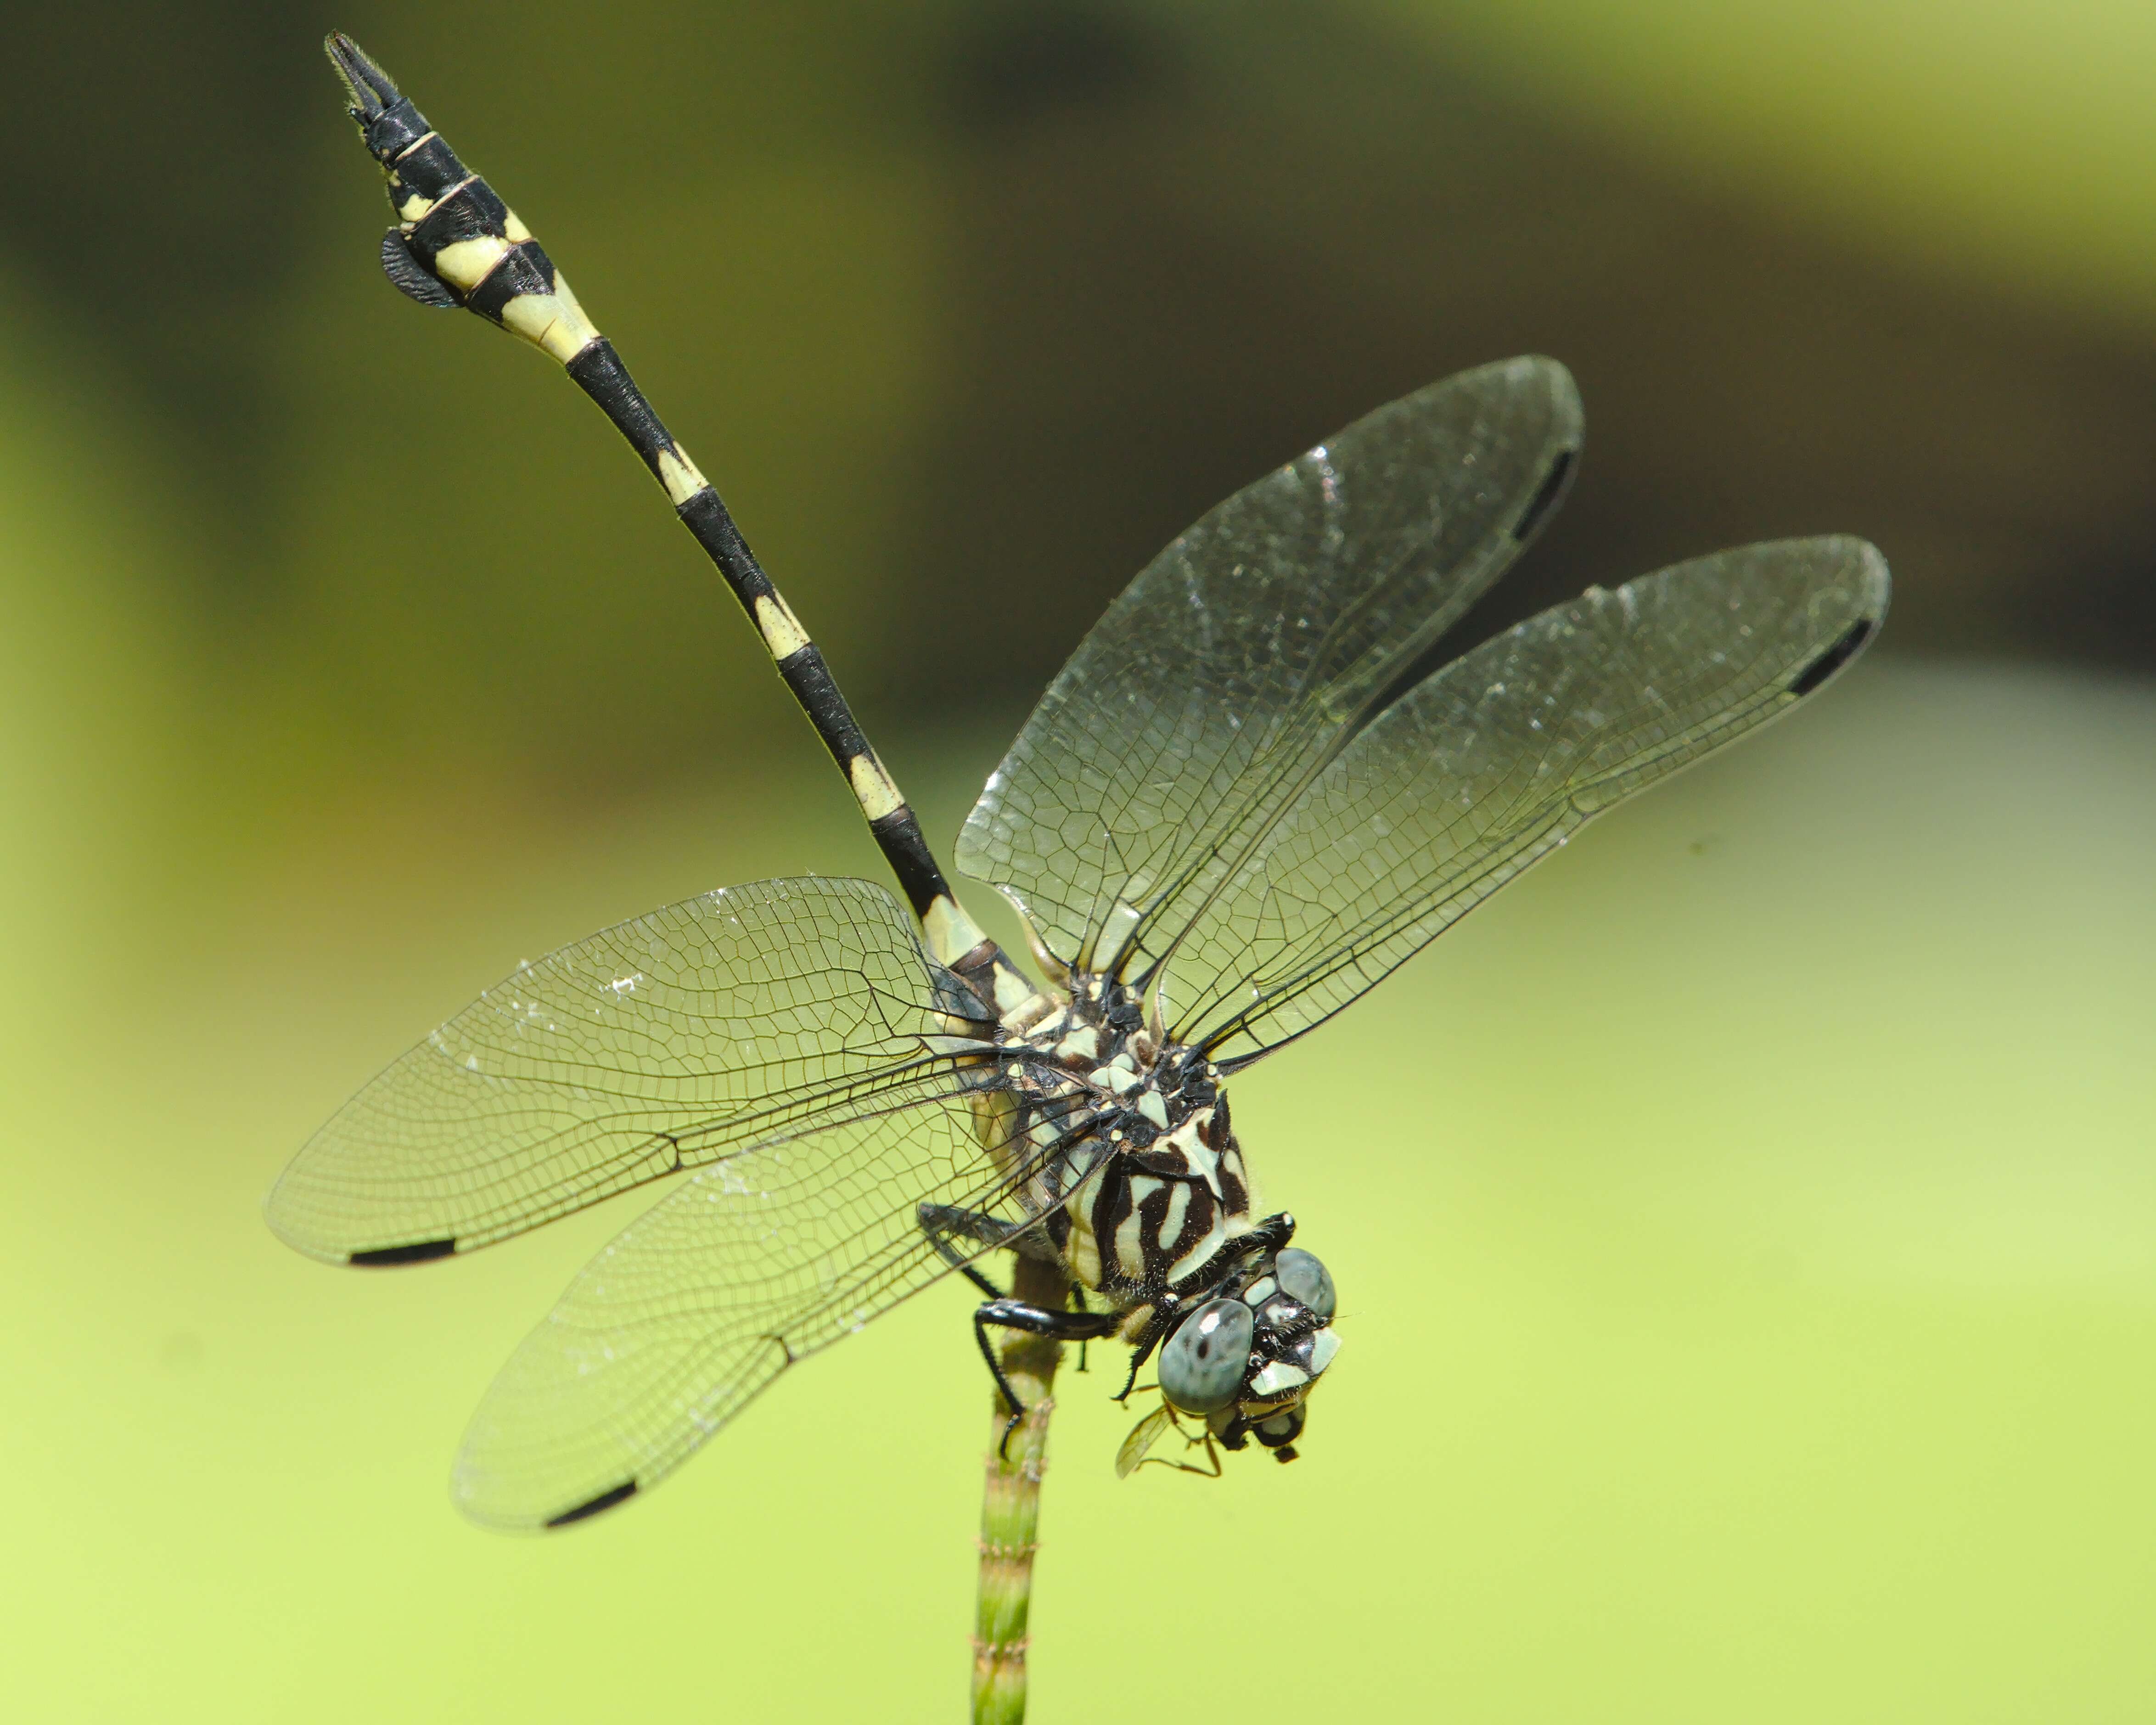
(1201, 1367)
(1307, 1279)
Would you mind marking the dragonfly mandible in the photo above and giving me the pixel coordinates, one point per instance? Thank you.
(1226, 820)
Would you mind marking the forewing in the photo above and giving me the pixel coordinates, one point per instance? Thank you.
(661, 1043)
(1231, 669)
(1485, 767)
(748, 1268)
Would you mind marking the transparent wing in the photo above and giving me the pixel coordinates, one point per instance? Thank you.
(1485, 767)
(747, 1269)
(656, 1046)
(1231, 669)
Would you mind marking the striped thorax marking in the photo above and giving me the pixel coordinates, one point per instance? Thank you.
(1143, 1183)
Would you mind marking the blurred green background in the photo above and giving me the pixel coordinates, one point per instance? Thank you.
(1746, 1227)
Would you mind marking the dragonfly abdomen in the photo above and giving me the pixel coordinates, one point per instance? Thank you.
(456, 243)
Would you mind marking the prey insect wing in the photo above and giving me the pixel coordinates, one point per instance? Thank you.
(1239, 660)
(1490, 763)
(662, 1044)
(1131, 1454)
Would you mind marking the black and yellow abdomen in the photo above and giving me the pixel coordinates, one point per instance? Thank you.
(455, 242)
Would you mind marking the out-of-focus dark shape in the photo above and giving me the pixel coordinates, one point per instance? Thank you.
(152, 172)
(1016, 62)
(1153, 300)
(969, 308)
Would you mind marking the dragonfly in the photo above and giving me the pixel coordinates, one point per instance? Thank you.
(1238, 807)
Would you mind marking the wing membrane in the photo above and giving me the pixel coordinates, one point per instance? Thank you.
(746, 1269)
(661, 1043)
(1488, 765)
(1236, 663)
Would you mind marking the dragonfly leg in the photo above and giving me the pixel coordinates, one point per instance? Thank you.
(1006, 1314)
(1140, 1354)
(945, 1224)
(949, 1254)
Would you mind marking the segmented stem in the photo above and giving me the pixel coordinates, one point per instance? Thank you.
(1010, 1506)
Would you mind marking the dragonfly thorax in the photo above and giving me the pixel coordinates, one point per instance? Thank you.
(1142, 1189)
(1141, 1181)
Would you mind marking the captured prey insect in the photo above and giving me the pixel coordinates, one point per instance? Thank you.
(1225, 821)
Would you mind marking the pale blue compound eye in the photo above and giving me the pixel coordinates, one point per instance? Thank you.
(1201, 1367)
(1308, 1280)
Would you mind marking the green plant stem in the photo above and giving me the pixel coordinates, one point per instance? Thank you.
(1010, 1507)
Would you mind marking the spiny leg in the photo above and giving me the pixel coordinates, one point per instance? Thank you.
(457, 244)
(1140, 1354)
(1007, 1314)
(941, 1222)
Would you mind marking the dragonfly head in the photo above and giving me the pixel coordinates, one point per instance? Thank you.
(1246, 1360)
